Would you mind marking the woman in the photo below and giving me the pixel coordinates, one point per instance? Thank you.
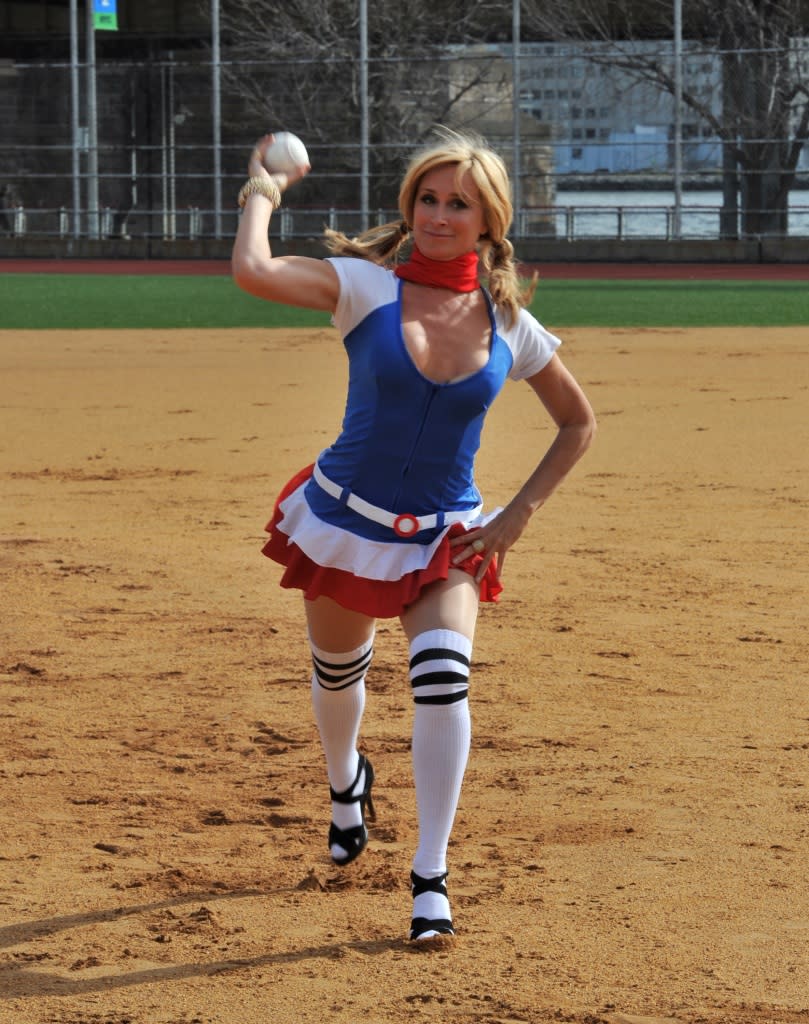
(388, 521)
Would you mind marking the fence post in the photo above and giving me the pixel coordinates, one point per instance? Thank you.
(620, 223)
(194, 222)
(19, 220)
(286, 224)
(64, 222)
(332, 218)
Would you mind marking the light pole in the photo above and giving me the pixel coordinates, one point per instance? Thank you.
(92, 129)
(364, 114)
(678, 117)
(217, 118)
(74, 116)
(515, 91)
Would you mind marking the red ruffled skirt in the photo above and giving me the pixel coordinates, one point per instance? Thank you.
(379, 598)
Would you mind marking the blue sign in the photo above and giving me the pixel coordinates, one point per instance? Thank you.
(105, 15)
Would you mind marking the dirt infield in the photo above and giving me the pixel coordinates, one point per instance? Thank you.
(632, 845)
(563, 271)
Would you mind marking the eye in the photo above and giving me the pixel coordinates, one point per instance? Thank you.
(428, 198)
(459, 204)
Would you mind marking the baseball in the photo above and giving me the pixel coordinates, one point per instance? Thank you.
(285, 154)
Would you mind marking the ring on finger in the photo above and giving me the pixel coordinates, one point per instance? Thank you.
(478, 546)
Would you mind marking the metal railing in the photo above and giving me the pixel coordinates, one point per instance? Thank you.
(665, 221)
(569, 222)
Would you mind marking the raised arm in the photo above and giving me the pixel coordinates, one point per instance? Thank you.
(292, 280)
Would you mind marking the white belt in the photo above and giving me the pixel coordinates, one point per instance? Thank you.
(403, 525)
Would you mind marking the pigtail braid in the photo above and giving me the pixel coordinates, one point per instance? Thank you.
(505, 286)
(379, 244)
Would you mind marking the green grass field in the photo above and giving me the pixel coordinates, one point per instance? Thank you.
(41, 301)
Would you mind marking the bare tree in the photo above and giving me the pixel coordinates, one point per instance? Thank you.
(297, 66)
(764, 119)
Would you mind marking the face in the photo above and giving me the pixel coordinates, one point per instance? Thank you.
(447, 222)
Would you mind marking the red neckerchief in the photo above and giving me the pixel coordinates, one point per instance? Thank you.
(459, 275)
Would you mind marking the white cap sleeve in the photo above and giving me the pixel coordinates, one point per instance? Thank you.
(532, 346)
(363, 287)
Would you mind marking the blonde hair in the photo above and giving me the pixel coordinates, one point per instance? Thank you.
(470, 155)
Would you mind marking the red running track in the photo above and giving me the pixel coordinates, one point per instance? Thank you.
(548, 271)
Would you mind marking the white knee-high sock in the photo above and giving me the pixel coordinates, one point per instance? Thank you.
(439, 676)
(338, 701)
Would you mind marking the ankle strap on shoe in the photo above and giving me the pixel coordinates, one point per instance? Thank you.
(421, 885)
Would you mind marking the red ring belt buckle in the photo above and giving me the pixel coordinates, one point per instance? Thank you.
(405, 525)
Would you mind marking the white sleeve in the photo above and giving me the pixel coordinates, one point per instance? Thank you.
(532, 346)
(364, 286)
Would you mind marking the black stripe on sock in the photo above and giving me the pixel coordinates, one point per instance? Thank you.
(438, 654)
(442, 698)
(344, 665)
(351, 672)
(439, 679)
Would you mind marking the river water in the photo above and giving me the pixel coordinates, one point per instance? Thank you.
(649, 214)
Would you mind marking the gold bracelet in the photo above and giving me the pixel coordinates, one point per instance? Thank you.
(260, 186)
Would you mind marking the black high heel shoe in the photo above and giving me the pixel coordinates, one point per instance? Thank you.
(353, 840)
(429, 929)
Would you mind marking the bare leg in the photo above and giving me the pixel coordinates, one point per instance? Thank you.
(447, 604)
(335, 628)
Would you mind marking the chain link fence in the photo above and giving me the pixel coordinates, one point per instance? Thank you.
(591, 148)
